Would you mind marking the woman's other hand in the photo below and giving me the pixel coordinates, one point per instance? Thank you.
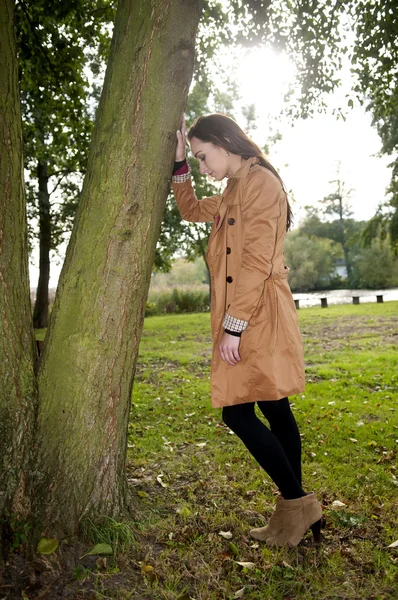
(229, 349)
(181, 141)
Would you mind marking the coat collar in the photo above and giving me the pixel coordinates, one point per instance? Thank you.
(239, 174)
(245, 168)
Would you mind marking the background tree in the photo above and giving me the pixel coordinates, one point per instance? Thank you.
(339, 225)
(312, 261)
(360, 35)
(375, 267)
(57, 47)
(337, 205)
(385, 221)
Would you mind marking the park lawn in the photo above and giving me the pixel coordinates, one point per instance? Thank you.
(195, 478)
(191, 477)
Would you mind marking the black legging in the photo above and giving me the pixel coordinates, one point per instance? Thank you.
(277, 451)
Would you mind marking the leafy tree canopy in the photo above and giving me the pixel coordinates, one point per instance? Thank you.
(362, 35)
(59, 43)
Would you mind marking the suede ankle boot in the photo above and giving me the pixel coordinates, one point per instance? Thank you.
(298, 516)
(274, 525)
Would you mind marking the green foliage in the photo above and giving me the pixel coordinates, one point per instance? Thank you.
(182, 273)
(347, 520)
(57, 48)
(99, 549)
(312, 262)
(338, 226)
(371, 267)
(375, 267)
(321, 36)
(109, 536)
(177, 301)
(384, 224)
(47, 545)
(18, 534)
(339, 231)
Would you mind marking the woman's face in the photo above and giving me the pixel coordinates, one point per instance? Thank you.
(213, 160)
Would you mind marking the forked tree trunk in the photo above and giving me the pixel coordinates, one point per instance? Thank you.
(40, 313)
(89, 358)
(17, 351)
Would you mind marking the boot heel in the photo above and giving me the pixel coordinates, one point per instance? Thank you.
(316, 531)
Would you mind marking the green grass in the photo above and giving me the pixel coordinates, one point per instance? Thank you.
(191, 478)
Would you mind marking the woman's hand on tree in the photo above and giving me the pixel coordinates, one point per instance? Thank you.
(229, 349)
(181, 141)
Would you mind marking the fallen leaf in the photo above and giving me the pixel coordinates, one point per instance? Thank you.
(101, 563)
(233, 549)
(246, 565)
(146, 568)
(225, 534)
(47, 545)
(99, 549)
(159, 480)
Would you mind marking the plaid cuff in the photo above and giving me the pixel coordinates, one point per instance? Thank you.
(234, 324)
(183, 177)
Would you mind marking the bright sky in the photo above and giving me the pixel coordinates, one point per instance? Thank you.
(308, 153)
(310, 150)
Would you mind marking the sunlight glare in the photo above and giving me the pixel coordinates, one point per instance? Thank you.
(266, 75)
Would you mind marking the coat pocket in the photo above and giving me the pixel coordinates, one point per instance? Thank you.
(261, 311)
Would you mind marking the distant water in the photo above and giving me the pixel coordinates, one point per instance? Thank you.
(344, 296)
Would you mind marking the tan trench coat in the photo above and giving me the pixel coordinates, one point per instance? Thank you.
(249, 281)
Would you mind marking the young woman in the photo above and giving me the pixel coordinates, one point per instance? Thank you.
(257, 349)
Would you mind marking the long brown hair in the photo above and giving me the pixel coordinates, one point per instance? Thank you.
(222, 131)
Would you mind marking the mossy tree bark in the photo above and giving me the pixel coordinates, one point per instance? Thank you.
(87, 367)
(18, 396)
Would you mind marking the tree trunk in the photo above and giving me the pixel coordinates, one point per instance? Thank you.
(88, 363)
(203, 255)
(17, 350)
(347, 258)
(40, 313)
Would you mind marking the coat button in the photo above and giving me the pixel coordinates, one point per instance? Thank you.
(229, 279)
(231, 221)
(228, 250)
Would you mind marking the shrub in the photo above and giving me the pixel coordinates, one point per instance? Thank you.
(177, 301)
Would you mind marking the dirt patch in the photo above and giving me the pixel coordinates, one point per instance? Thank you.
(355, 330)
